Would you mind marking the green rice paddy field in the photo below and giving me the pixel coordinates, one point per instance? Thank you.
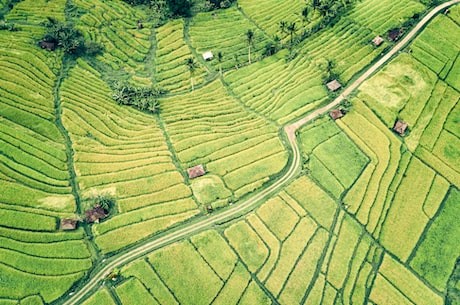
(370, 218)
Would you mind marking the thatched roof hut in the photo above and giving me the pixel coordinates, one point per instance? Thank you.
(400, 127)
(50, 46)
(95, 214)
(377, 41)
(333, 85)
(336, 114)
(68, 224)
(196, 171)
(208, 55)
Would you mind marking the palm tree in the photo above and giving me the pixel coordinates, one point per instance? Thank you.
(219, 59)
(250, 36)
(306, 12)
(153, 106)
(237, 60)
(191, 67)
(292, 29)
(283, 26)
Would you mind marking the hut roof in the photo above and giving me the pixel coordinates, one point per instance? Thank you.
(68, 224)
(400, 127)
(196, 171)
(377, 41)
(50, 46)
(393, 34)
(95, 214)
(336, 114)
(208, 55)
(333, 85)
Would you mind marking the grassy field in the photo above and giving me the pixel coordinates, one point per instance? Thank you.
(369, 219)
(211, 128)
(122, 153)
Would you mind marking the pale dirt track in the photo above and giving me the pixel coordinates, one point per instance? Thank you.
(240, 207)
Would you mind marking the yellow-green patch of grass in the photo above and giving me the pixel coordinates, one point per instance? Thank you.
(348, 239)
(101, 297)
(434, 198)
(124, 236)
(209, 188)
(254, 295)
(405, 222)
(142, 270)
(290, 252)
(248, 245)
(272, 242)
(133, 292)
(186, 274)
(314, 200)
(408, 283)
(383, 292)
(304, 270)
(216, 252)
(278, 216)
(234, 286)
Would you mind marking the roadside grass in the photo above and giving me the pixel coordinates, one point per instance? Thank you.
(132, 291)
(102, 296)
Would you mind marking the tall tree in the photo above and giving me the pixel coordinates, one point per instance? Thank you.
(283, 26)
(191, 68)
(250, 37)
(292, 29)
(220, 56)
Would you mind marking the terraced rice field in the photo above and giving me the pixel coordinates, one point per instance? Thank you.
(211, 128)
(282, 90)
(122, 152)
(374, 240)
(228, 30)
(113, 24)
(36, 259)
(172, 52)
(371, 219)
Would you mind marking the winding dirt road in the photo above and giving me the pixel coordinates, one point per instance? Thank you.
(234, 211)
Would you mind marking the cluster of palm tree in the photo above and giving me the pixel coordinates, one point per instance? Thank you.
(143, 98)
(328, 9)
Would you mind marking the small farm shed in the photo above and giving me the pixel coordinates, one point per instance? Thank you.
(377, 41)
(336, 114)
(95, 214)
(50, 46)
(400, 127)
(196, 171)
(68, 224)
(208, 55)
(333, 85)
(394, 34)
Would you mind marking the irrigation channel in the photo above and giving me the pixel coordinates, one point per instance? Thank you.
(247, 205)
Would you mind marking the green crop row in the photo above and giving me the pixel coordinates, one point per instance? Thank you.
(209, 127)
(115, 147)
(37, 11)
(171, 54)
(225, 32)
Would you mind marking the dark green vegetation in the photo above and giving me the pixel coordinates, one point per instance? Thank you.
(349, 230)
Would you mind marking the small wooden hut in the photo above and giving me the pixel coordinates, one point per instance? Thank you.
(208, 55)
(50, 46)
(333, 85)
(400, 127)
(95, 214)
(196, 171)
(336, 114)
(68, 224)
(377, 41)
